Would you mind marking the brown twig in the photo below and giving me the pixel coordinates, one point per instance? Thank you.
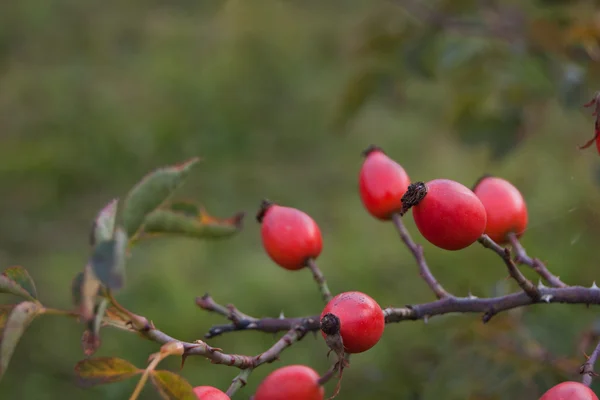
(587, 369)
(320, 279)
(521, 257)
(524, 283)
(417, 251)
(450, 305)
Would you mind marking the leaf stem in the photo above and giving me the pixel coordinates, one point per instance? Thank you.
(138, 389)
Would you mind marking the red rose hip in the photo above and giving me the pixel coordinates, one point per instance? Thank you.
(569, 391)
(381, 183)
(361, 320)
(293, 382)
(447, 213)
(289, 236)
(505, 208)
(209, 393)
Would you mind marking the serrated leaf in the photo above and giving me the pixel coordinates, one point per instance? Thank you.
(172, 386)
(202, 225)
(16, 280)
(108, 261)
(104, 224)
(151, 192)
(103, 370)
(16, 323)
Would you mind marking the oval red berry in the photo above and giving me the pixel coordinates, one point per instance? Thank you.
(361, 320)
(293, 382)
(569, 391)
(505, 208)
(289, 236)
(382, 182)
(209, 393)
(450, 215)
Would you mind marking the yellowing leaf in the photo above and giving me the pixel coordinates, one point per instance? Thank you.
(16, 280)
(103, 370)
(104, 224)
(187, 223)
(18, 320)
(172, 386)
(151, 192)
(85, 291)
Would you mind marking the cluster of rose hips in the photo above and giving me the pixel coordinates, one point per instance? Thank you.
(448, 214)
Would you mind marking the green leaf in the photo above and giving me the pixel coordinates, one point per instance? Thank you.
(356, 93)
(103, 370)
(104, 224)
(172, 386)
(202, 225)
(108, 260)
(151, 192)
(16, 280)
(17, 321)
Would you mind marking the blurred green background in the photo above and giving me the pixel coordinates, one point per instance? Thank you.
(279, 98)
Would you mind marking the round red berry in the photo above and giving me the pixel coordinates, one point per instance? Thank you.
(293, 382)
(361, 320)
(289, 236)
(505, 208)
(209, 393)
(382, 182)
(447, 213)
(569, 391)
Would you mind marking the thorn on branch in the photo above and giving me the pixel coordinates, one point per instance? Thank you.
(587, 369)
(524, 283)
(521, 257)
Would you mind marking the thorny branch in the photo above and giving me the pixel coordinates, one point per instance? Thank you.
(297, 327)
(587, 369)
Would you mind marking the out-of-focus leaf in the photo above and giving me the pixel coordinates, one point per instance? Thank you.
(108, 260)
(103, 370)
(572, 86)
(420, 54)
(5, 311)
(152, 191)
(356, 92)
(85, 288)
(104, 224)
(90, 340)
(501, 132)
(202, 225)
(172, 386)
(16, 280)
(18, 320)
(457, 52)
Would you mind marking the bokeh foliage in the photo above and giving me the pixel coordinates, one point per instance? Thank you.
(278, 98)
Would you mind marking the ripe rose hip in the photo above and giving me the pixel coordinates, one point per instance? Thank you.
(505, 208)
(569, 391)
(293, 382)
(361, 320)
(209, 393)
(447, 213)
(289, 236)
(381, 183)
